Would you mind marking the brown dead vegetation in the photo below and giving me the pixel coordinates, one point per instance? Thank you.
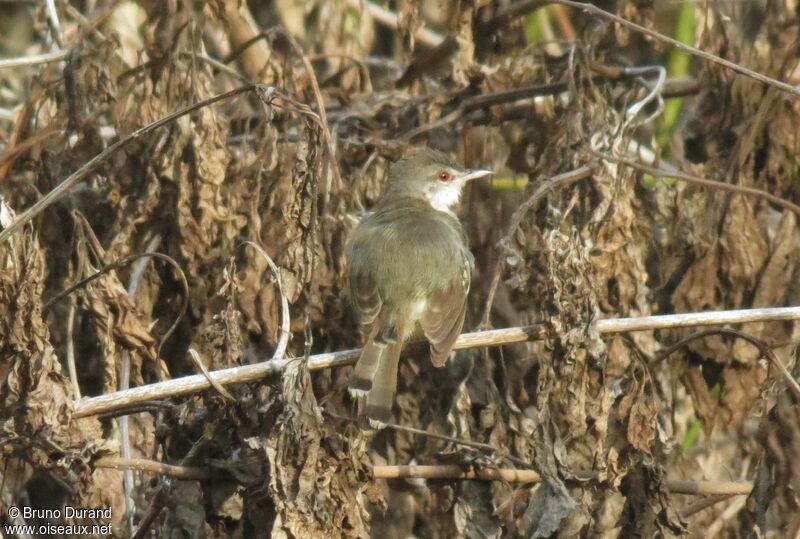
(277, 122)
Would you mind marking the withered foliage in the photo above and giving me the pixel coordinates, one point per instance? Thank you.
(604, 426)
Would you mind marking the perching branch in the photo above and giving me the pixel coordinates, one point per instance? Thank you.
(452, 471)
(433, 471)
(121, 400)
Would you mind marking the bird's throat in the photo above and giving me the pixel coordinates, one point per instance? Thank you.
(444, 198)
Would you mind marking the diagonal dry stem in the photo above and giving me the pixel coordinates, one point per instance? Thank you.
(694, 51)
(90, 166)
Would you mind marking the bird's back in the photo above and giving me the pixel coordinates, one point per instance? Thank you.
(407, 247)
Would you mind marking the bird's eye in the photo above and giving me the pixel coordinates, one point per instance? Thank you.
(444, 176)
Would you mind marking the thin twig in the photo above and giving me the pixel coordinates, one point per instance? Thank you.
(323, 115)
(52, 14)
(513, 10)
(492, 450)
(162, 491)
(594, 10)
(150, 407)
(46, 58)
(200, 365)
(730, 512)
(660, 173)
(193, 473)
(551, 184)
(765, 350)
(216, 64)
(73, 371)
(87, 26)
(363, 70)
(246, 40)
(124, 383)
(285, 333)
(496, 337)
(119, 263)
(138, 269)
(703, 503)
(391, 19)
(484, 101)
(679, 87)
(91, 165)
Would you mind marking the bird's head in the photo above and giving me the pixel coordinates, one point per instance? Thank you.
(431, 176)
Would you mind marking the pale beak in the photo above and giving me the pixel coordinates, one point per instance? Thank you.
(473, 174)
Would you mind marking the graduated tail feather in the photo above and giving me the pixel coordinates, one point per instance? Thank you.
(380, 397)
(361, 380)
(364, 372)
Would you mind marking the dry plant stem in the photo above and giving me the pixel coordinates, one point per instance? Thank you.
(37, 59)
(390, 19)
(680, 87)
(596, 11)
(124, 383)
(323, 115)
(52, 13)
(730, 512)
(724, 489)
(670, 88)
(250, 373)
(73, 371)
(121, 263)
(451, 471)
(750, 191)
(243, 30)
(100, 158)
(765, 350)
(283, 340)
(156, 503)
(145, 465)
(555, 182)
(567, 30)
(363, 70)
(484, 101)
(163, 490)
(200, 365)
(7, 157)
(457, 441)
(703, 503)
(513, 10)
(216, 64)
(91, 25)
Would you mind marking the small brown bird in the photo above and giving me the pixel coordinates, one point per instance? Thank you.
(409, 269)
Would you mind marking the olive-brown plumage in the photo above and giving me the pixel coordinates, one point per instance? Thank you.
(408, 269)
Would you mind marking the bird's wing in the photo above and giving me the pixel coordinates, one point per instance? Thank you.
(366, 299)
(443, 319)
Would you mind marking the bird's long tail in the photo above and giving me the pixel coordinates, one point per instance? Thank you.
(361, 380)
(380, 397)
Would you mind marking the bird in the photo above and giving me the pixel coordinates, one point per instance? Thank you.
(408, 270)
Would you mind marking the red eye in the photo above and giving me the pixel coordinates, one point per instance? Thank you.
(445, 176)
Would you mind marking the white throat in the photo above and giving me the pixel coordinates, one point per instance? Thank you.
(444, 198)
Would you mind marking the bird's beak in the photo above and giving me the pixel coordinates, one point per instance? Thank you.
(474, 174)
